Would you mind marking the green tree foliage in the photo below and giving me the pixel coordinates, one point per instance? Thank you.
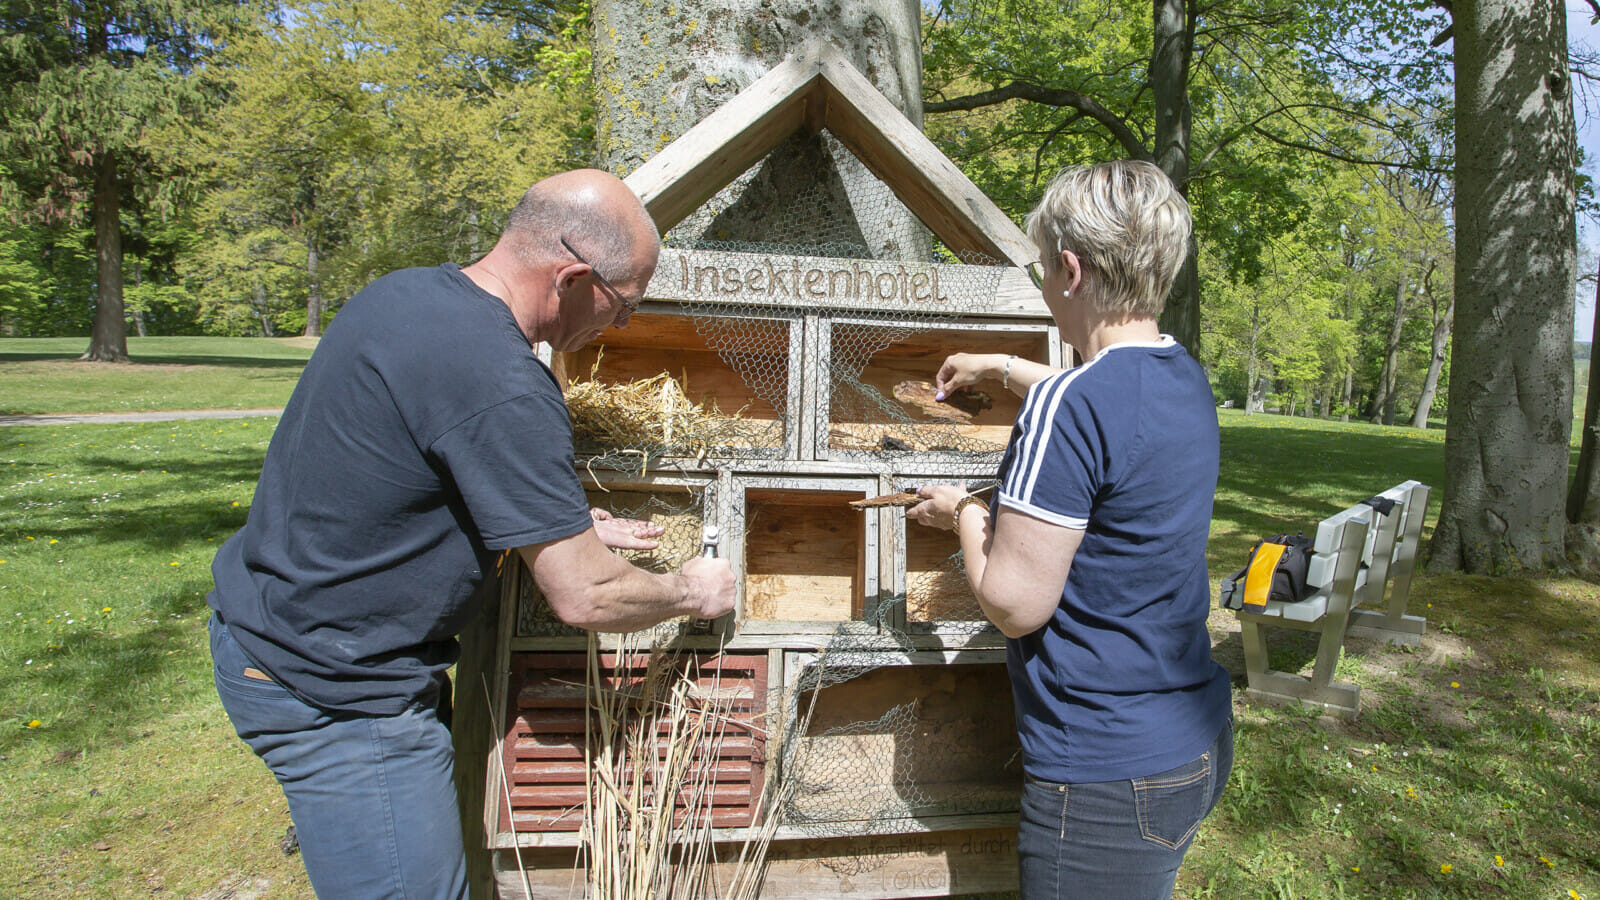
(83, 83)
(1034, 85)
(359, 138)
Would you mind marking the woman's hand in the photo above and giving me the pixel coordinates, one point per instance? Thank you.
(624, 534)
(964, 370)
(939, 510)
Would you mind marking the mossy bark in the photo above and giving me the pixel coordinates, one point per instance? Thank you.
(1511, 371)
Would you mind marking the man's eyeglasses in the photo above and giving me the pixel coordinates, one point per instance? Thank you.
(611, 289)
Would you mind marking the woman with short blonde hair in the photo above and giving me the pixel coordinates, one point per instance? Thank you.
(1091, 557)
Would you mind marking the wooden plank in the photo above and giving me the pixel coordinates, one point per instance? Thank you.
(720, 147)
(968, 860)
(773, 281)
(924, 179)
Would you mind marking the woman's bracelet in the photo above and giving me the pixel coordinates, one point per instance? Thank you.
(1005, 374)
(961, 505)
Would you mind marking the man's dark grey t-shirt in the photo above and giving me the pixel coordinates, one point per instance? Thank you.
(423, 437)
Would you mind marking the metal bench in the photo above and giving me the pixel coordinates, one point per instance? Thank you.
(1335, 573)
(1359, 556)
(1393, 558)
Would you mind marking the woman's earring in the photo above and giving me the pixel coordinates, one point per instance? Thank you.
(1065, 294)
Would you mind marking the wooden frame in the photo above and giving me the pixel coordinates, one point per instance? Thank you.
(818, 88)
(772, 545)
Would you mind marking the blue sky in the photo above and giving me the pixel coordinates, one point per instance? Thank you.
(1580, 30)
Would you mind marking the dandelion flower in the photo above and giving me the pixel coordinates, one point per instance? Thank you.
(1574, 894)
(29, 538)
(172, 564)
(1547, 862)
(105, 609)
(1445, 869)
(52, 540)
(1356, 869)
(35, 723)
(235, 503)
(1498, 861)
(1455, 684)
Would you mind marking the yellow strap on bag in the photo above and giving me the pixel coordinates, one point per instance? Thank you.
(1258, 580)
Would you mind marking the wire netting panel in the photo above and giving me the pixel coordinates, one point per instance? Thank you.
(897, 741)
(679, 509)
(881, 399)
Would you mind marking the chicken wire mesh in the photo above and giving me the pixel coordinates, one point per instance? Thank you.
(679, 510)
(751, 276)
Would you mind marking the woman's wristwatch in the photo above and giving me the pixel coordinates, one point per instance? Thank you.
(961, 505)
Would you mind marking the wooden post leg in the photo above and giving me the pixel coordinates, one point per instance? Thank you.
(473, 735)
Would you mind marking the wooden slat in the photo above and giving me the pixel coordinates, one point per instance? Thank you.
(924, 179)
(544, 752)
(574, 771)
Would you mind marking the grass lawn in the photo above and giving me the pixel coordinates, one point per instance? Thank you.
(1471, 772)
(42, 375)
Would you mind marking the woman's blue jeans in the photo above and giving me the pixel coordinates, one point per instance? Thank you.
(1117, 840)
(372, 798)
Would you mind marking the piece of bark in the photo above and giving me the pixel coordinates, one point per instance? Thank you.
(960, 406)
(902, 498)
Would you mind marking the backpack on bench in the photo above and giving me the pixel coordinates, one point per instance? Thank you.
(1275, 570)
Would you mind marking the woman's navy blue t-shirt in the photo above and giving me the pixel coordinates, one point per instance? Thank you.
(1120, 682)
(423, 437)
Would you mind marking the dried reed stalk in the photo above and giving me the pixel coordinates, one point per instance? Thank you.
(655, 739)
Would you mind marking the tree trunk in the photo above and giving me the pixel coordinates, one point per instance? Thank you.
(313, 291)
(1583, 496)
(1383, 402)
(1430, 383)
(660, 71)
(1173, 30)
(1253, 403)
(108, 341)
(1516, 247)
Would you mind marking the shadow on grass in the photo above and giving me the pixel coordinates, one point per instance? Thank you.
(165, 359)
(99, 687)
(1502, 764)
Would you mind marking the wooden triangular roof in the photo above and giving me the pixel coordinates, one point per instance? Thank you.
(815, 89)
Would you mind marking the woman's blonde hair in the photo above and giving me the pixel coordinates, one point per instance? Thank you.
(1127, 221)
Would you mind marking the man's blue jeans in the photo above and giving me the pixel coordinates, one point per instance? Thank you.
(372, 799)
(1117, 840)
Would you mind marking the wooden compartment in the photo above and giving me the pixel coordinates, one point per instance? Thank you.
(922, 735)
(682, 504)
(889, 408)
(543, 752)
(805, 551)
(744, 393)
(937, 589)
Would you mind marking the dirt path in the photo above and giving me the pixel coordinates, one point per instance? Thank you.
(158, 416)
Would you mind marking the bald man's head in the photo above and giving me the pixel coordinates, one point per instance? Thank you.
(594, 211)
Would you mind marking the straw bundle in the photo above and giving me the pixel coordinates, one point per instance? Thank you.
(648, 413)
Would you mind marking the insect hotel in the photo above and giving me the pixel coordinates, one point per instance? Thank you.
(848, 730)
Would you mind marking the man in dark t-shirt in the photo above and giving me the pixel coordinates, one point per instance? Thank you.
(423, 439)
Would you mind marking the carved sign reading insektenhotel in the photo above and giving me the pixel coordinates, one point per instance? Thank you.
(782, 280)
